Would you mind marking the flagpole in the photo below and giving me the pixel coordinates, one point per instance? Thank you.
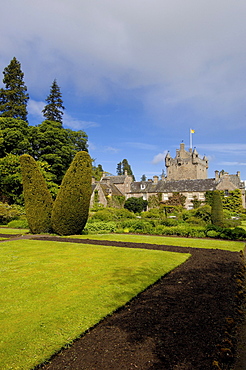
(190, 139)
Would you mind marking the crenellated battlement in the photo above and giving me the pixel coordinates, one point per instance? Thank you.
(187, 165)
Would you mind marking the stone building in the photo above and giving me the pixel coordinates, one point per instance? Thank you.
(186, 165)
(186, 174)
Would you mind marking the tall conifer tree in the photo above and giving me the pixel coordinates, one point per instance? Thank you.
(14, 98)
(53, 111)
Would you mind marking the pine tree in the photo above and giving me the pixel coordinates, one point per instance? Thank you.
(53, 111)
(14, 98)
(119, 169)
(127, 168)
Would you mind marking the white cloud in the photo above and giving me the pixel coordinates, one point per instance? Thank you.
(232, 163)
(159, 157)
(230, 148)
(76, 124)
(35, 108)
(110, 149)
(180, 51)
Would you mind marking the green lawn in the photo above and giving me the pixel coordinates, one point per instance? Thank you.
(51, 292)
(7, 230)
(229, 245)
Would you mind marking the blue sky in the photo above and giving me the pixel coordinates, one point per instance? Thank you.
(137, 75)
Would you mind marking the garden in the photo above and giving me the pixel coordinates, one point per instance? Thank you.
(110, 288)
(158, 302)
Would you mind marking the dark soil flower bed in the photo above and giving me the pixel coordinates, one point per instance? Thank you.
(187, 320)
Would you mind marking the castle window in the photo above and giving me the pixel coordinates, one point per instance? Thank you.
(226, 192)
(165, 196)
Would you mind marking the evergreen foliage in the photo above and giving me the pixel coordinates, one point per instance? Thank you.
(14, 98)
(53, 111)
(123, 167)
(38, 201)
(71, 207)
(135, 205)
(217, 217)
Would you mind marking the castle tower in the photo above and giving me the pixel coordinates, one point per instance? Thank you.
(186, 165)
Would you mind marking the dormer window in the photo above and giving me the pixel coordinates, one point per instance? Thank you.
(142, 186)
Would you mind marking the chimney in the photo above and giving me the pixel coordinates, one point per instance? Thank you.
(217, 175)
(156, 178)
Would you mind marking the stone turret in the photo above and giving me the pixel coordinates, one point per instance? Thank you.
(187, 165)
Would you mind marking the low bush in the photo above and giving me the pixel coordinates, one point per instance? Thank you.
(112, 214)
(100, 227)
(169, 222)
(21, 223)
(9, 212)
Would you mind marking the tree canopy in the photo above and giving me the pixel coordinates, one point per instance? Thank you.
(14, 97)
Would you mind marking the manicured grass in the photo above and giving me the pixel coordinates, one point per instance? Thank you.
(229, 245)
(6, 230)
(52, 292)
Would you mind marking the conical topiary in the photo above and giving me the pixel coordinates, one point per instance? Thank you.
(71, 207)
(37, 198)
(217, 216)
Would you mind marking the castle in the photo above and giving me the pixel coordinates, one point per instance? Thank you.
(186, 174)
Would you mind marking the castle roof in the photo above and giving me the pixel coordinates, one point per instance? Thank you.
(197, 185)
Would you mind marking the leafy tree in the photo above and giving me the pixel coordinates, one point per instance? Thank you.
(53, 111)
(57, 146)
(97, 172)
(143, 178)
(77, 140)
(38, 200)
(14, 137)
(10, 180)
(71, 207)
(217, 217)
(14, 98)
(233, 202)
(135, 205)
(154, 201)
(176, 199)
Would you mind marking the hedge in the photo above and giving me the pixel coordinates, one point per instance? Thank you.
(71, 207)
(37, 198)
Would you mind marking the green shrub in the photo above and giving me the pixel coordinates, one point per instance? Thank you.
(217, 217)
(203, 212)
(169, 222)
(136, 205)
(37, 198)
(71, 207)
(112, 214)
(100, 227)
(152, 213)
(9, 212)
(196, 221)
(21, 223)
(212, 234)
